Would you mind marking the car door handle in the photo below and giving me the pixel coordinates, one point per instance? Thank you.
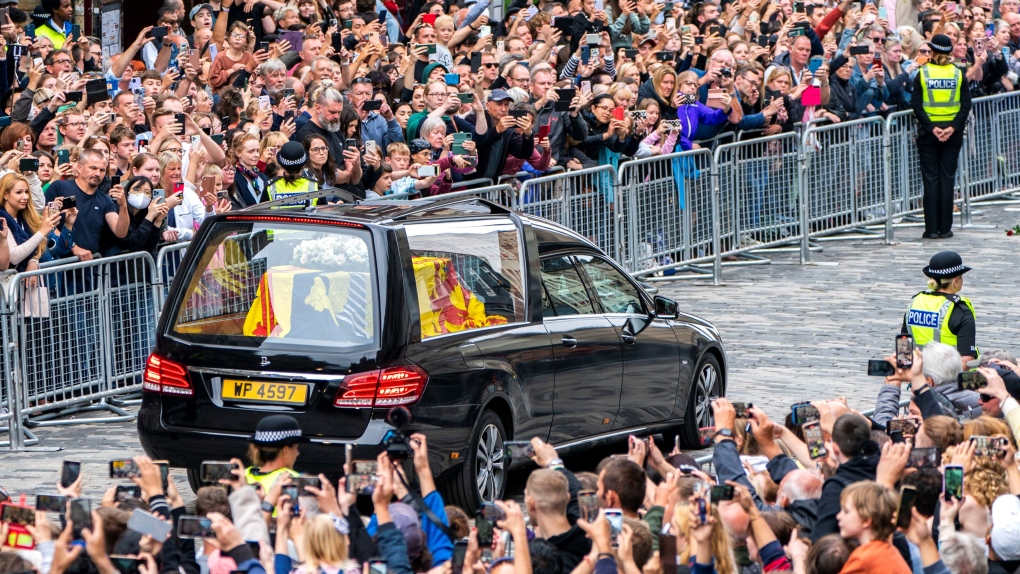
(569, 341)
(628, 339)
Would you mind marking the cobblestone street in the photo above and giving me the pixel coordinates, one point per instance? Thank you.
(791, 332)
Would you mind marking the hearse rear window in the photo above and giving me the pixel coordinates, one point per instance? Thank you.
(281, 283)
(467, 276)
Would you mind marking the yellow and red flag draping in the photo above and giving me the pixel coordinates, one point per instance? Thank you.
(445, 304)
(333, 305)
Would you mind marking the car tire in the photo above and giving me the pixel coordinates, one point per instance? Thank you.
(485, 464)
(194, 480)
(707, 386)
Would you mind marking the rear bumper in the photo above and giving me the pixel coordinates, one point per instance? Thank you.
(187, 448)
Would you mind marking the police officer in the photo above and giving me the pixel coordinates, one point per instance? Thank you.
(273, 450)
(941, 102)
(292, 159)
(941, 314)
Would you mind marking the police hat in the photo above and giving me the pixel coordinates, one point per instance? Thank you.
(942, 44)
(291, 156)
(277, 430)
(945, 265)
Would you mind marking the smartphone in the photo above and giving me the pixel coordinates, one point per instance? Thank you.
(466, 97)
(519, 450)
(126, 491)
(706, 434)
(665, 56)
(428, 171)
(69, 202)
(585, 55)
(741, 409)
(667, 553)
(20, 515)
(721, 492)
(485, 528)
(476, 62)
(208, 185)
(814, 63)
(75, 32)
(858, 50)
(180, 119)
(593, 39)
(543, 131)
(63, 156)
(51, 503)
(194, 527)
(896, 436)
(178, 188)
(763, 40)
(880, 368)
(149, 525)
(618, 113)
(211, 471)
(217, 139)
(263, 46)
(904, 344)
(803, 413)
(459, 553)
(350, 143)
(813, 438)
(905, 426)
(615, 518)
(924, 458)
(967, 380)
(81, 515)
(28, 164)
(377, 566)
(363, 484)
(952, 482)
(798, 7)
(292, 491)
(588, 505)
(124, 468)
(988, 446)
(451, 79)
(586, 87)
(125, 564)
(907, 495)
(492, 512)
(158, 195)
(371, 105)
(882, 13)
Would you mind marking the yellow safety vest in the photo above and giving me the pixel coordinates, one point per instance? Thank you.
(928, 318)
(56, 36)
(252, 475)
(280, 189)
(942, 86)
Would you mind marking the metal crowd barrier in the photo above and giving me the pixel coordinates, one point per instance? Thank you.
(583, 200)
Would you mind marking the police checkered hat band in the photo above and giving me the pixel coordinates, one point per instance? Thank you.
(957, 269)
(291, 155)
(942, 44)
(278, 430)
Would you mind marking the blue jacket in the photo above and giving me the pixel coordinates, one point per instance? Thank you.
(393, 549)
(693, 115)
(439, 544)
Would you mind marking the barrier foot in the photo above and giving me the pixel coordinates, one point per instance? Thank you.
(812, 247)
(46, 420)
(28, 439)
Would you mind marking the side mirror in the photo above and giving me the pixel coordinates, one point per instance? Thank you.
(649, 288)
(665, 308)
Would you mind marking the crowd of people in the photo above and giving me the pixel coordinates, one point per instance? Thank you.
(224, 105)
(932, 487)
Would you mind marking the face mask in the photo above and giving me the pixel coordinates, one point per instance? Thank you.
(139, 200)
(689, 100)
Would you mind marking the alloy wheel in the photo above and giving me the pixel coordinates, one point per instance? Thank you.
(490, 467)
(707, 392)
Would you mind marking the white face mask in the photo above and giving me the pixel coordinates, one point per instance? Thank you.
(138, 200)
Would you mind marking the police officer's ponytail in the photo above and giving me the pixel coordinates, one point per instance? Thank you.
(940, 284)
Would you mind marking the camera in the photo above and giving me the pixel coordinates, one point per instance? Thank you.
(397, 444)
(726, 73)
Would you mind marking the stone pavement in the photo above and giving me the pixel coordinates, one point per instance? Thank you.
(791, 333)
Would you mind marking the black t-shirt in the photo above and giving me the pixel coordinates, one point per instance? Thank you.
(334, 140)
(961, 324)
(92, 209)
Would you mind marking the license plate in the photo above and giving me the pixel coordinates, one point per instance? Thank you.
(265, 392)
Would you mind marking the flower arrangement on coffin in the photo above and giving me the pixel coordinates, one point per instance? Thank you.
(332, 251)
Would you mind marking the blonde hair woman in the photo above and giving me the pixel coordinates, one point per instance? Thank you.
(704, 542)
(26, 231)
(324, 549)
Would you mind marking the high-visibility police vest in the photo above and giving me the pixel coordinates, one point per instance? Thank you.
(252, 475)
(942, 86)
(928, 317)
(280, 189)
(57, 37)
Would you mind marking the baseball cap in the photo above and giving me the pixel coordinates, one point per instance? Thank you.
(499, 95)
(406, 520)
(196, 9)
(1006, 527)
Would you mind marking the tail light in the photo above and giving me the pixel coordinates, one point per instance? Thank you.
(166, 377)
(402, 385)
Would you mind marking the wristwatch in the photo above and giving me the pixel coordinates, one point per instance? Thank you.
(554, 463)
(266, 507)
(727, 433)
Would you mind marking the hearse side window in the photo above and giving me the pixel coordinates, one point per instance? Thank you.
(567, 294)
(618, 295)
(281, 284)
(468, 276)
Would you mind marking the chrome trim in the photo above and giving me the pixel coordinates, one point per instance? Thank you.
(272, 374)
(603, 436)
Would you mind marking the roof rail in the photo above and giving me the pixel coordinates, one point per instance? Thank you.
(432, 202)
(344, 195)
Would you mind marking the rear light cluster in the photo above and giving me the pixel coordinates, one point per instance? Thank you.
(166, 377)
(383, 388)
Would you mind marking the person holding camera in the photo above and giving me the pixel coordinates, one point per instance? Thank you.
(941, 105)
(940, 314)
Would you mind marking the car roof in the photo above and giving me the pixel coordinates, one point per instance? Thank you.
(550, 236)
